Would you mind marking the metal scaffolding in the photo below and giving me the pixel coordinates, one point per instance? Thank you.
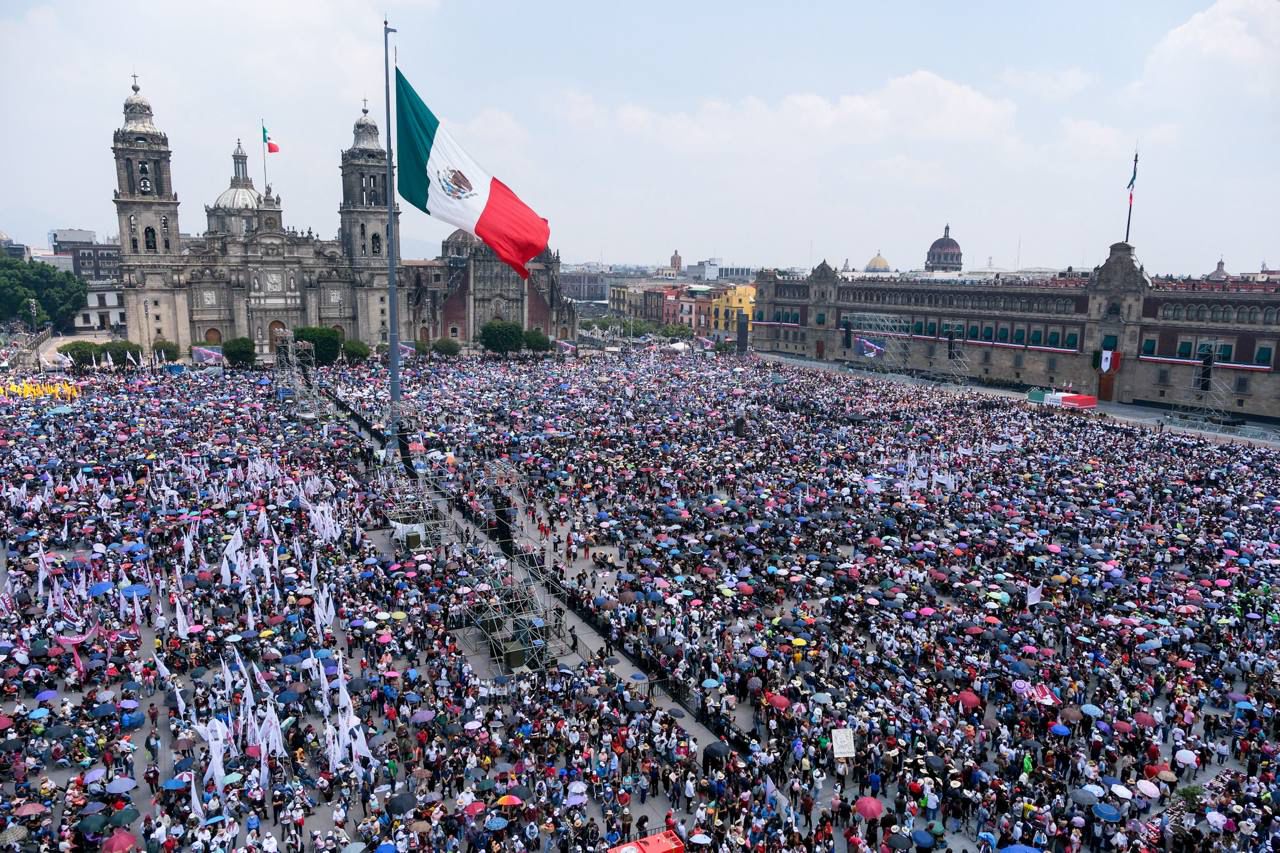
(513, 614)
(952, 363)
(295, 377)
(1204, 398)
(881, 342)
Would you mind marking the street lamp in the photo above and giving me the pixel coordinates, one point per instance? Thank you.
(33, 307)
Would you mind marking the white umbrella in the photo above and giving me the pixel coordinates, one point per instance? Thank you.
(1185, 757)
(1122, 792)
(1148, 789)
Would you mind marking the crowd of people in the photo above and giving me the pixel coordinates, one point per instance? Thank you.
(822, 613)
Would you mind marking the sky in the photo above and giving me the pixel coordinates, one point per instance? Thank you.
(764, 134)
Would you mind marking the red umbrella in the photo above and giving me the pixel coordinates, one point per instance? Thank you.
(969, 699)
(779, 701)
(868, 808)
(1145, 720)
(119, 842)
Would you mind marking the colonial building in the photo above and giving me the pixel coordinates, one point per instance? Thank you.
(454, 295)
(1180, 343)
(250, 274)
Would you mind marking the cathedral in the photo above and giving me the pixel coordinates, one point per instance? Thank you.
(251, 275)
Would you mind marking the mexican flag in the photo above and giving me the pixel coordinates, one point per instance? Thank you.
(272, 147)
(442, 180)
(1106, 361)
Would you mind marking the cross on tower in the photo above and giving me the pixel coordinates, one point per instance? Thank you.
(365, 102)
(135, 82)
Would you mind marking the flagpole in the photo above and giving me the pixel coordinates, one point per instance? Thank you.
(262, 125)
(393, 314)
(1129, 220)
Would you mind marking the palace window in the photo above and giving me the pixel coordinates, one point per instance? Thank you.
(1149, 346)
(1262, 356)
(1109, 342)
(1037, 335)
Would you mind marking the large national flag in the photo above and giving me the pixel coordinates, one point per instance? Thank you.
(272, 147)
(441, 179)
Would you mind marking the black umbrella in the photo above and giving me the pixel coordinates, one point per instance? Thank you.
(718, 749)
(401, 803)
(1084, 798)
(898, 841)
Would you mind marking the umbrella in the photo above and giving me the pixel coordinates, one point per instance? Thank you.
(92, 823)
(121, 784)
(510, 800)
(868, 808)
(1148, 789)
(119, 842)
(923, 839)
(1185, 757)
(898, 841)
(13, 834)
(496, 823)
(1122, 792)
(1084, 798)
(401, 803)
(124, 817)
(1019, 848)
(1106, 812)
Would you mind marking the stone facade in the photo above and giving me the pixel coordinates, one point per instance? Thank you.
(454, 295)
(248, 274)
(1047, 332)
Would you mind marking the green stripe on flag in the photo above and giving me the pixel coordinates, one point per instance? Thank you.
(416, 129)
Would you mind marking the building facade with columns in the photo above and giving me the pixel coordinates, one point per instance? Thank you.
(1192, 343)
(248, 273)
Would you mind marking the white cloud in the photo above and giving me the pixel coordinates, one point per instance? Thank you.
(1050, 85)
(1231, 47)
(915, 106)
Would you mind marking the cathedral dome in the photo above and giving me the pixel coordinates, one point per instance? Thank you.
(944, 253)
(366, 132)
(238, 198)
(877, 264)
(137, 112)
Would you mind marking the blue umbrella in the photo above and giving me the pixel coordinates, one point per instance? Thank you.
(100, 588)
(120, 784)
(1019, 848)
(136, 589)
(1091, 710)
(174, 784)
(639, 676)
(495, 823)
(922, 839)
(104, 710)
(758, 652)
(709, 683)
(1106, 812)
(38, 714)
(1060, 729)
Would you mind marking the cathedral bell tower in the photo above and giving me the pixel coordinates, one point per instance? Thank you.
(362, 216)
(146, 204)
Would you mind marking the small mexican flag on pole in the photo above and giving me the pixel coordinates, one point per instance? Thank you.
(272, 147)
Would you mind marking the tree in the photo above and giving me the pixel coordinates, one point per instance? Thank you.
(676, 330)
(421, 347)
(239, 352)
(327, 342)
(81, 353)
(59, 295)
(355, 351)
(120, 351)
(168, 349)
(501, 337)
(536, 340)
(447, 347)
(586, 325)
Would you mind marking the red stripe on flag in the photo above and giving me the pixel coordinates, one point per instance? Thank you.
(509, 227)
(272, 148)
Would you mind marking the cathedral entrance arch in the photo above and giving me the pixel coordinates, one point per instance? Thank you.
(342, 333)
(822, 349)
(272, 332)
(564, 333)
(213, 336)
(424, 334)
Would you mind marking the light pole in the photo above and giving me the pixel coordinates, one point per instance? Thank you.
(33, 308)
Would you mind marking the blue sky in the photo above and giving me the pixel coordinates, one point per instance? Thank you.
(765, 134)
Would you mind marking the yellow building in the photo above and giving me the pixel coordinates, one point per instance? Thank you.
(738, 298)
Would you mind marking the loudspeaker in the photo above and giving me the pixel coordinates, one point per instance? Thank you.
(848, 334)
(951, 345)
(1206, 371)
(513, 655)
(742, 333)
(413, 540)
(740, 427)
